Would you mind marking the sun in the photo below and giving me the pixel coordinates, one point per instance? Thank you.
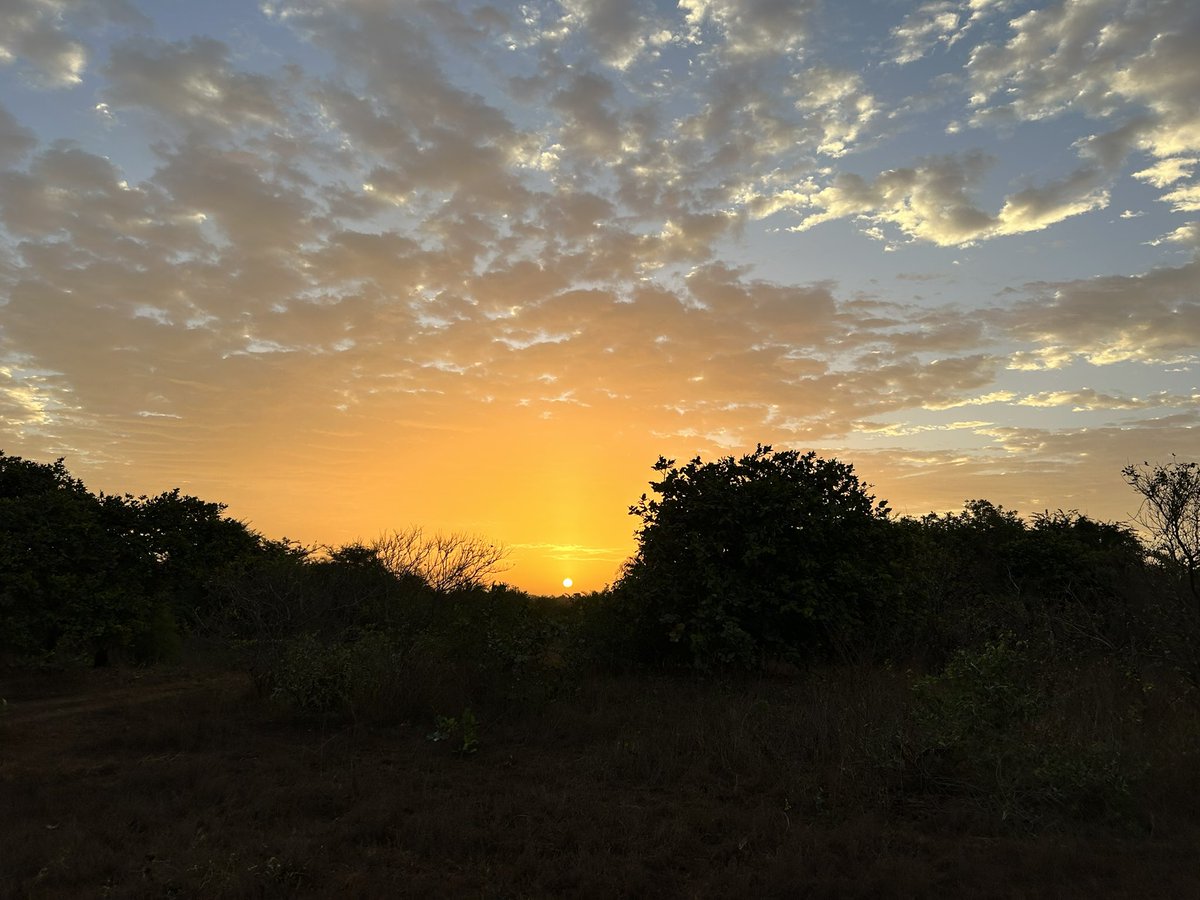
(567, 582)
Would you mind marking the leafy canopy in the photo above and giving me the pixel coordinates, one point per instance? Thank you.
(766, 555)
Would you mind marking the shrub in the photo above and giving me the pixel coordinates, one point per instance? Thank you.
(984, 728)
(770, 555)
(369, 674)
(978, 704)
(314, 676)
(1062, 580)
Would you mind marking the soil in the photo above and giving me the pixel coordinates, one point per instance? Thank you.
(184, 783)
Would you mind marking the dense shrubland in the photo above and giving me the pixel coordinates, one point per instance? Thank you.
(1031, 651)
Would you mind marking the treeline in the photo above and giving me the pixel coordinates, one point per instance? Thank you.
(741, 564)
(784, 556)
(1033, 668)
(105, 578)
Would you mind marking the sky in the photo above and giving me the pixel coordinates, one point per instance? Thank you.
(355, 265)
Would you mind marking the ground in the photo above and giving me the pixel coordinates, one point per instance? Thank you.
(184, 782)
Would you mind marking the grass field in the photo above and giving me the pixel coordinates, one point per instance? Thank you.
(186, 783)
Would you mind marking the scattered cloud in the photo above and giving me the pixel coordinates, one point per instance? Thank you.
(750, 28)
(15, 139)
(1107, 59)
(190, 83)
(440, 231)
(1152, 318)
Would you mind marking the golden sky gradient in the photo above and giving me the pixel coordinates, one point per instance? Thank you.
(352, 266)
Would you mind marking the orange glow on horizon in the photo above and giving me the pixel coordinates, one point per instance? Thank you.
(554, 490)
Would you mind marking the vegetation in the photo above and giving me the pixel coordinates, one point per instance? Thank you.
(746, 558)
(1171, 511)
(787, 691)
(447, 563)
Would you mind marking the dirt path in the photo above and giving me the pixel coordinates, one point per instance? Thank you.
(103, 692)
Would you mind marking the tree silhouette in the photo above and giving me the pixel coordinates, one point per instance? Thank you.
(766, 555)
(447, 562)
(1170, 510)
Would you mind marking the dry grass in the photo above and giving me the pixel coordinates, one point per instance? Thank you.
(185, 783)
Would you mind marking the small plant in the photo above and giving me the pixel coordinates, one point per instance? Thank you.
(988, 726)
(313, 676)
(462, 732)
(980, 699)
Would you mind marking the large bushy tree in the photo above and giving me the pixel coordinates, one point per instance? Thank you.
(87, 575)
(68, 582)
(774, 554)
(186, 545)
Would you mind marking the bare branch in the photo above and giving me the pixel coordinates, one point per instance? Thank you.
(447, 562)
(1170, 510)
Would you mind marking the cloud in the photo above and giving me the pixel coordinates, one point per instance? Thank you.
(15, 139)
(37, 35)
(1152, 318)
(617, 30)
(1185, 198)
(1105, 58)
(785, 314)
(191, 84)
(837, 103)
(932, 23)
(1188, 235)
(1087, 399)
(1036, 208)
(1168, 171)
(750, 29)
(1030, 469)
(590, 127)
(906, 430)
(930, 201)
(253, 209)
(576, 552)
(942, 22)
(30, 32)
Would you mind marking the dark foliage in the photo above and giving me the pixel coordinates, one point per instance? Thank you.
(97, 577)
(70, 583)
(1062, 580)
(772, 558)
(763, 556)
(1005, 701)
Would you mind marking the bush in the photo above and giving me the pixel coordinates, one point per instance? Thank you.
(371, 675)
(481, 647)
(314, 676)
(1062, 580)
(770, 555)
(986, 727)
(978, 704)
(100, 578)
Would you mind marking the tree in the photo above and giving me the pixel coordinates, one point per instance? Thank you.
(447, 562)
(85, 575)
(975, 575)
(187, 545)
(1170, 511)
(766, 555)
(69, 584)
